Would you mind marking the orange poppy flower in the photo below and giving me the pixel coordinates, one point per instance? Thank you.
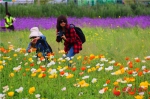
(92, 57)
(43, 75)
(132, 92)
(127, 58)
(85, 57)
(39, 54)
(62, 73)
(130, 72)
(140, 73)
(146, 70)
(74, 69)
(42, 58)
(137, 60)
(43, 69)
(116, 92)
(83, 68)
(32, 64)
(137, 69)
(108, 81)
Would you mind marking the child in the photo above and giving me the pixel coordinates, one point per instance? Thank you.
(38, 41)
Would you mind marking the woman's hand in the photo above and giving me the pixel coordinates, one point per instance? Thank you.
(63, 37)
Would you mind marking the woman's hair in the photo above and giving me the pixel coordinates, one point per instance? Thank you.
(59, 20)
(8, 14)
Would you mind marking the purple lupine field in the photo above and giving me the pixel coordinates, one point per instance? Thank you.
(49, 23)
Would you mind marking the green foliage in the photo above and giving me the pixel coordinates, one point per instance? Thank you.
(102, 10)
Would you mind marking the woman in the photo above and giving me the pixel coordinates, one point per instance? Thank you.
(9, 22)
(72, 42)
(38, 41)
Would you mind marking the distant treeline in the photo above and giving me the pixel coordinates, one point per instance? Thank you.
(54, 10)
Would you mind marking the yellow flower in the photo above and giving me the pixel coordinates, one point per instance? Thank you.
(89, 70)
(40, 75)
(30, 59)
(11, 75)
(139, 97)
(27, 69)
(70, 61)
(93, 69)
(53, 76)
(15, 55)
(33, 74)
(144, 84)
(31, 90)
(79, 57)
(116, 83)
(97, 67)
(70, 76)
(39, 70)
(1, 67)
(1, 62)
(11, 93)
(59, 67)
(83, 84)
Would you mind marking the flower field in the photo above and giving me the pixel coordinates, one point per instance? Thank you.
(114, 62)
(49, 23)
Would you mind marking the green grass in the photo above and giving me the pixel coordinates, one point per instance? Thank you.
(114, 44)
(72, 10)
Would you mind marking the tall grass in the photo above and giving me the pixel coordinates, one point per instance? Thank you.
(102, 10)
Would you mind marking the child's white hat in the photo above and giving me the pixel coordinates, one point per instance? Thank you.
(34, 31)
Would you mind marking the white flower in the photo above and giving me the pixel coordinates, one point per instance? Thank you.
(26, 63)
(105, 85)
(98, 64)
(38, 62)
(34, 56)
(37, 95)
(51, 63)
(18, 50)
(26, 54)
(141, 93)
(6, 88)
(67, 58)
(99, 69)
(19, 90)
(123, 81)
(119, 80)
(129, 85)
(64, 55)
(63, 89)
(109, 68)
(2, 96)
(103, 59)
(53, 71)
(143, 61)
(85, 77)
(143, 67)
(88, 66)
(101, 65)
(81, 93)
(102, 91)
(94, 80)
(17, 68)
(33, 70)
(112, 62)
(113, 73)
